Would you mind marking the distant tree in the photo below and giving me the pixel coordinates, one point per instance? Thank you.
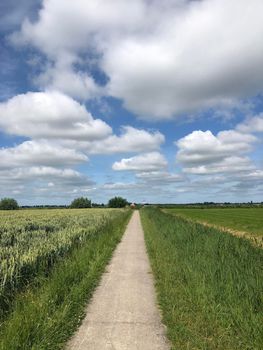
(80, 202)
(8, 204)
(117, 202)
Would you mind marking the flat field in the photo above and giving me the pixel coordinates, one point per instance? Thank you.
(249, 220)
(209, 283)
(50, 262)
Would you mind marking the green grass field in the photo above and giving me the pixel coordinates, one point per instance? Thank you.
(51, 261)
(238, 219)
(209, 284)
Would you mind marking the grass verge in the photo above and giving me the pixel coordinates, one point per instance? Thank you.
(45, 316)
(209, 284)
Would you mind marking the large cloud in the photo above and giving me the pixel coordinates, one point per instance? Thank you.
(131, 140)
(50, 115)
(49, 176)
(162, 58)
(30, 153)
(69, 27)
(143, 162)
(230, 164)
(204, 147)
(203, 153)
(253, 124)
(195, 62)
(58, 118)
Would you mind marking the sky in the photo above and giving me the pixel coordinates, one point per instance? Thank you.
(154, 101)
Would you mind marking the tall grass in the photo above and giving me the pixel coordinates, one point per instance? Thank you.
(209, 283)
(47, 312)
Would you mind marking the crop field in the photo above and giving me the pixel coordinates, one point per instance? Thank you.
(209, 283)
(46, 255)
(249, 220)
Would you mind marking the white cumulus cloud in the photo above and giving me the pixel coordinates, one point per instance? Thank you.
(143, 162)
(162, 59)
(130, 140)
(230, 164)
(51, 115)
(30, 153)
(252, 124)
(201, 152)
(204, 147)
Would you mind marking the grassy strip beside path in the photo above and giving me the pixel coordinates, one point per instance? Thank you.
(209, 284)
(45, 317)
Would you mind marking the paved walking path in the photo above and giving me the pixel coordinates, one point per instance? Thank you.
(122, 314)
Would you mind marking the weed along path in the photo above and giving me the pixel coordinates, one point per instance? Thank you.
(123, 314)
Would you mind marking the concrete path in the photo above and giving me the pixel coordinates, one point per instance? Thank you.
(122, 314)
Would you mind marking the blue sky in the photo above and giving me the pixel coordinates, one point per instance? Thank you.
(154, 101)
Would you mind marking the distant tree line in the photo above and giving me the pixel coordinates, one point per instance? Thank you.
(81, 202)
(120, 202)
(208, 205)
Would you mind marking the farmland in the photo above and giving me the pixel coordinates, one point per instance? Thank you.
(209, 283)
(51, 261)
(249, 220)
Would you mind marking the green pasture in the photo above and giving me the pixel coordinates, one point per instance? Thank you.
(249, 220)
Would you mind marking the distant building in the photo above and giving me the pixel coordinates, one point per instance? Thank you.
(133, 205)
